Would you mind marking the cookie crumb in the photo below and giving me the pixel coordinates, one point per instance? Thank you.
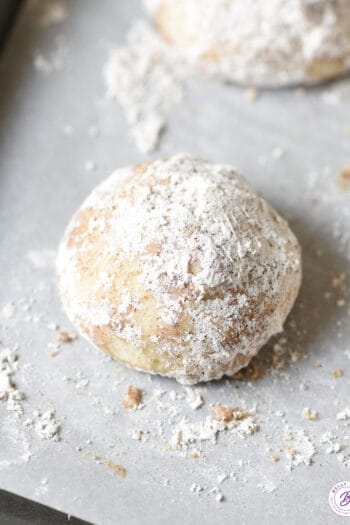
(118, 469)
(137, 434)
(226, 413)
(337, 372)
(194, 455)
(65, 337)
(312, 415)
(47, 426)
(132, 398)
(195, 488)
(344, 178)
(345, 414)
(9, 310)
(251, 94)
(298, 448)
(222, 413)
(194, 398)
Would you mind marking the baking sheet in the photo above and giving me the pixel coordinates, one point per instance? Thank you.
(8, 10)
(291, 145)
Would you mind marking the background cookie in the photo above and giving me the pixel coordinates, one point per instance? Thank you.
(260, 42)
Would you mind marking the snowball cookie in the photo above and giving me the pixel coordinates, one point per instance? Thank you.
(177, 267)
(260, 42)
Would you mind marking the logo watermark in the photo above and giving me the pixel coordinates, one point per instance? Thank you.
(339, 498)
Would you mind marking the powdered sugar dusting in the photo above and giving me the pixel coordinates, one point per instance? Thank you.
(298, 447)
(344, 414)
(188, 435)
(194, 398)
(142, 76)
(211, 254)
(46, 425)
(8, 390)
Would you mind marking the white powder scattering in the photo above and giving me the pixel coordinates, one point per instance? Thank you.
(194, 398)
(147, 132)
(145, 76)
(327, 437)
(46, 425)
(196, 488)
(307, 413)
(8, 310)
(14, 450)
(42, 488)
(90, 165)
(8, 390)
(222, 477)
(219, 497)
(331, 97)
(137, 434)
(345, 414)
(267, 486)
(52, 61)
(188, 435)
(81, 384)
(298, 447)
(333, 447)
(42, 258)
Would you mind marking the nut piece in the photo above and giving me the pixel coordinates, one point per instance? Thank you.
(344, 178)
(226, 414)
(337, 372)
(223, 413)
(65, 337)
(312, 415)
(132, 398)
(118, 469)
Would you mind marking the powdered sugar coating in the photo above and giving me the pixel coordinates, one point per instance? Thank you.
(177, 267)
(261, 42)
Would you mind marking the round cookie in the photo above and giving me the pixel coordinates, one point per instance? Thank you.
(177, 267)
(260, 42)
